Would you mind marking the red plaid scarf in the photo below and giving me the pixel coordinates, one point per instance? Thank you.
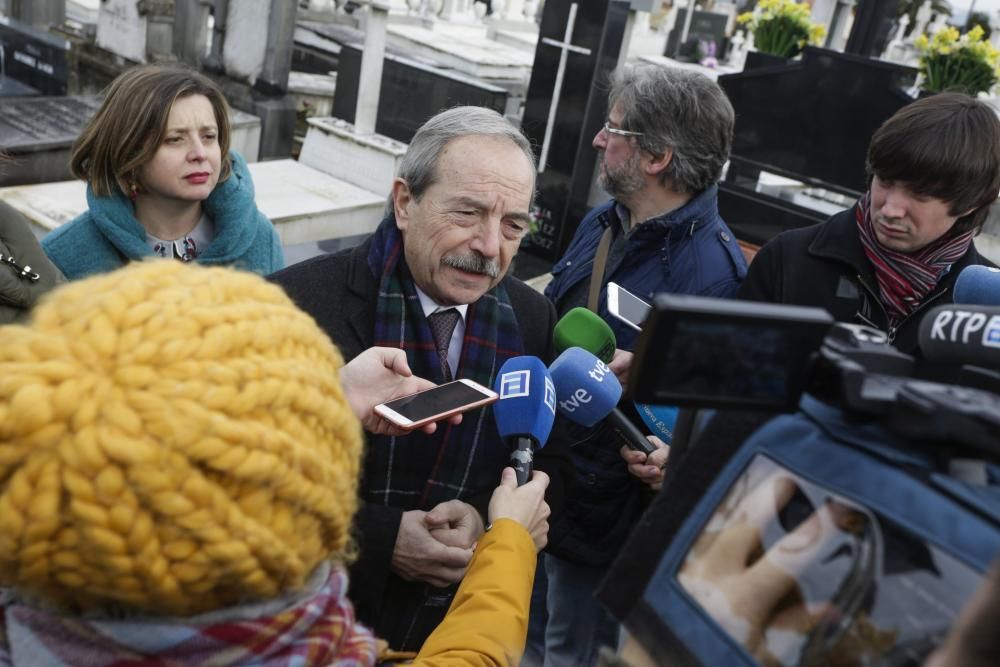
(316, 628)
(905, 279)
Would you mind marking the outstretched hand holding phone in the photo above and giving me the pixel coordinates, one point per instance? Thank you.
(377, 375)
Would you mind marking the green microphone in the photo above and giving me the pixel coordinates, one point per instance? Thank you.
(583, 328)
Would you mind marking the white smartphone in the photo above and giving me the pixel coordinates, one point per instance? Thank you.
(431, 405)
(626, 306)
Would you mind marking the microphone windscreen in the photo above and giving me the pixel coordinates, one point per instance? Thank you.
(960, 334)
(586, 389)
(585, 329)
(978, 285)
(527, 403)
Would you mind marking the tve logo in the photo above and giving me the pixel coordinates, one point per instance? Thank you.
(517, 384)
(579, 397)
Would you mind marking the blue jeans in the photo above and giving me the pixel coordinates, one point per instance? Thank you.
(578, 624)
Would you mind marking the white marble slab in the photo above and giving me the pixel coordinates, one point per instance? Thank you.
(369, 161)
(304, 204)
(712, 73)
(518, 39)
(465, 49)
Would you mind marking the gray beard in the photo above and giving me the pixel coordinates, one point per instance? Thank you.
(626, 179)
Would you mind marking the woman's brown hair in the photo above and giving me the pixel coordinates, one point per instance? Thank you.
(128, 129)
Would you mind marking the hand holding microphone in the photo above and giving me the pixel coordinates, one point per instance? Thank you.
(523, 503)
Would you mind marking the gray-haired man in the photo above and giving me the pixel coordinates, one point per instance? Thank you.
(667, 135)
(433, 281)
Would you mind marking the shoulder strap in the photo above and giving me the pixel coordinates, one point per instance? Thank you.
(597, 277)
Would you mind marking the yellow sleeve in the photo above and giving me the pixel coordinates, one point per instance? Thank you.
(487, 623)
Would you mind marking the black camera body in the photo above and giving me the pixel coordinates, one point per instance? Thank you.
(714, 354)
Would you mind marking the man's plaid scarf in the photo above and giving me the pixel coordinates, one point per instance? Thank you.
(419, 471)
(316, 628)
(905, 279)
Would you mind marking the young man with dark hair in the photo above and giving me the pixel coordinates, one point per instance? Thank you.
(934, 171)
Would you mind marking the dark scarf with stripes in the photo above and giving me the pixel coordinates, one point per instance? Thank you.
(905, 279)
(419, 471)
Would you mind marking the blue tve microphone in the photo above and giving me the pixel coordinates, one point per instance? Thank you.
(525, 411)
(587, 392)
(978, 285)
(586, 389)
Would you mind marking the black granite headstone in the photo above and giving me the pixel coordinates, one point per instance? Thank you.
(810, 120)
(411, 93)
(31, 58)
(581, 109)
(706, 28)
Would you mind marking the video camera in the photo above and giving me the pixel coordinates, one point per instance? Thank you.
(831, 461)
(714, 354)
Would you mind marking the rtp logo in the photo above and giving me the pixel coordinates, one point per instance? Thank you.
(515, 384)
(550, 394)
(991, 336)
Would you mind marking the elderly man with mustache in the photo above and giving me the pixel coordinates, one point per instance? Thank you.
(432, 280)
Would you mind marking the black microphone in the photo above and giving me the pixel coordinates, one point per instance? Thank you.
(962, 335)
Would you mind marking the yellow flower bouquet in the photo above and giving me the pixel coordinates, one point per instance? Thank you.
(963, 63)
(782, 27)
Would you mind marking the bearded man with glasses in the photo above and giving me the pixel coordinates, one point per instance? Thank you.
(662, 149)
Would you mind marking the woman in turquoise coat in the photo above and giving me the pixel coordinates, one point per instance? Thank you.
(161, 181)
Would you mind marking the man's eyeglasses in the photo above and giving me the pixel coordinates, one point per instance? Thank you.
(620, 132)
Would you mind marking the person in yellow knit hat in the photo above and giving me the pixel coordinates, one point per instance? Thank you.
(178, 473)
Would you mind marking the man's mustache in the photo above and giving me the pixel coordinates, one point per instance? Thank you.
(473, 263)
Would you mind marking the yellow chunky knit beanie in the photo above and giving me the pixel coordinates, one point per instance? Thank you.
(173, 439)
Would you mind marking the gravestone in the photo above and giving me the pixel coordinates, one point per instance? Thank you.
(138, 31)
(872, 25)
(308, 208)
(251, 57)
(705, 28)
(566, 106)
(411, 93)
(38, 134)
(39, 13)
(820, 139)
(32, 62)
(464, 48)
(318, 45)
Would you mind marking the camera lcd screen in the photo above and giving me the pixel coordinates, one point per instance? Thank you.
(436, 401)
(713, 353)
